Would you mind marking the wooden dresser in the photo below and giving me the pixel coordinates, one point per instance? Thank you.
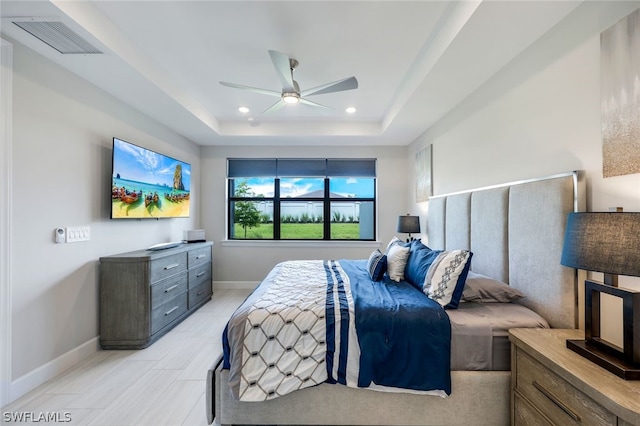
(552, 385)
(144, 294)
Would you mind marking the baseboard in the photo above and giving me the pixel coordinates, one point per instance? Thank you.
(235, 285)
(48, 371)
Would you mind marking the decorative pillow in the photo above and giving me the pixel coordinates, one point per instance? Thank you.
(377, 265)
(480, 288)
(418, 262)
(445, 278)
(397, 256)
(395, 240)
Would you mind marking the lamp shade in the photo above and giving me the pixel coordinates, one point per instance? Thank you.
(603, 242)
(408, 224)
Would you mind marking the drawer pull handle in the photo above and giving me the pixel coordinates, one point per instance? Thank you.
(556, 401)
(175, 265)
(200, 256)
(171, 288)
(200, 274)
(200, 292)
(170, 311)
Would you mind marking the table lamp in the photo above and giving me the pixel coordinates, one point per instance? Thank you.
(607, 242)
(408, 224)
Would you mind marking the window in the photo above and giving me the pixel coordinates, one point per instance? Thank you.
(301, 199)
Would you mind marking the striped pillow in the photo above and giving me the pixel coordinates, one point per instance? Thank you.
(377, 265)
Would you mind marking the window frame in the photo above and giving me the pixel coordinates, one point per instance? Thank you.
(277, 201)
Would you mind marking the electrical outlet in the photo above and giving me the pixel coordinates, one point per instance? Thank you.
(77, 234)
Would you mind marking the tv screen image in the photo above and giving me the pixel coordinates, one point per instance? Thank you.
(147, 184)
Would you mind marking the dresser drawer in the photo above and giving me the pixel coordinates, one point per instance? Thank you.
(198, 293)
(168, 289)
(166, 266)
(526, 415)
(560, 401)
(168, 311)
(199, 256)
(199, 274)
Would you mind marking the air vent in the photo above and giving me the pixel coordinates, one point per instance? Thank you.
(57, 35)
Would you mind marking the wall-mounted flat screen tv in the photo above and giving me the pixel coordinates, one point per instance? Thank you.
(147, 184)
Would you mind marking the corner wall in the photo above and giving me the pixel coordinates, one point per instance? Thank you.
(6, 86)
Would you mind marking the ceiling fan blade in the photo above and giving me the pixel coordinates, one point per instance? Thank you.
(252, 89)
(337, 86)
(275, 107)
(282, 65)
(315, 104)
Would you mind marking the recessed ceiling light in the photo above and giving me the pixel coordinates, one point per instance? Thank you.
(351, 110)
(243, 109)
(250, 119)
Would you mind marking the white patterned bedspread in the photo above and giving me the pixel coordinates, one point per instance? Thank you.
(283, 327)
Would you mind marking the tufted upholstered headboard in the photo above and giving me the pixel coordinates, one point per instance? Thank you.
(516, 232)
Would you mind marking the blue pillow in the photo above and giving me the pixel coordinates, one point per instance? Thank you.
(420, 259)
(377, 265)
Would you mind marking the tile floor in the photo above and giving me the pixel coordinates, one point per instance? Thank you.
(163, 384)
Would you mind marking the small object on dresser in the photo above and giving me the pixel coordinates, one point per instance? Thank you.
(162, 246)
(193, 235)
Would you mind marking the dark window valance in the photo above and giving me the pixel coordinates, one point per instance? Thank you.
(303, 167)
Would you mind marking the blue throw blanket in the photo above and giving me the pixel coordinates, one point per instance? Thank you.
(403, 337)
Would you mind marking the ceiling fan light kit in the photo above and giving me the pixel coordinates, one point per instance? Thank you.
(291, 93)
(290, 98)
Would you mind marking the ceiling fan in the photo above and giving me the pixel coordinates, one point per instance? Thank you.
(291, 93)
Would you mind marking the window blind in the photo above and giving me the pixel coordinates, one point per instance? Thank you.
(251, 168)
(304, 167)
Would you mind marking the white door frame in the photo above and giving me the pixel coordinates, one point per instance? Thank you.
(6, 96)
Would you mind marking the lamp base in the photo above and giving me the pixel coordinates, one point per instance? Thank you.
(605, 360)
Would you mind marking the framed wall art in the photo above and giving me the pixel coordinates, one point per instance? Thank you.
(424, 184)
(620, 92)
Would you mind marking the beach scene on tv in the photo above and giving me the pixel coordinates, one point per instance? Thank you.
(146, 184)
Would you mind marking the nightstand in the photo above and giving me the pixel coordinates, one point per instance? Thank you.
(552, 385)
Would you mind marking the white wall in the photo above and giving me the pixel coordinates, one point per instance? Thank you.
(539, 117)
(246, 262)
(61, 165)
(548, 124)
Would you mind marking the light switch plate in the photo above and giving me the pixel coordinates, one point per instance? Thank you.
(77, 234)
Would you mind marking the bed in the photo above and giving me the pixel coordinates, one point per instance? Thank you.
(515, 232)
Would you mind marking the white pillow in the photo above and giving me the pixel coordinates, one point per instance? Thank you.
(395, 240)
(397, 256)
